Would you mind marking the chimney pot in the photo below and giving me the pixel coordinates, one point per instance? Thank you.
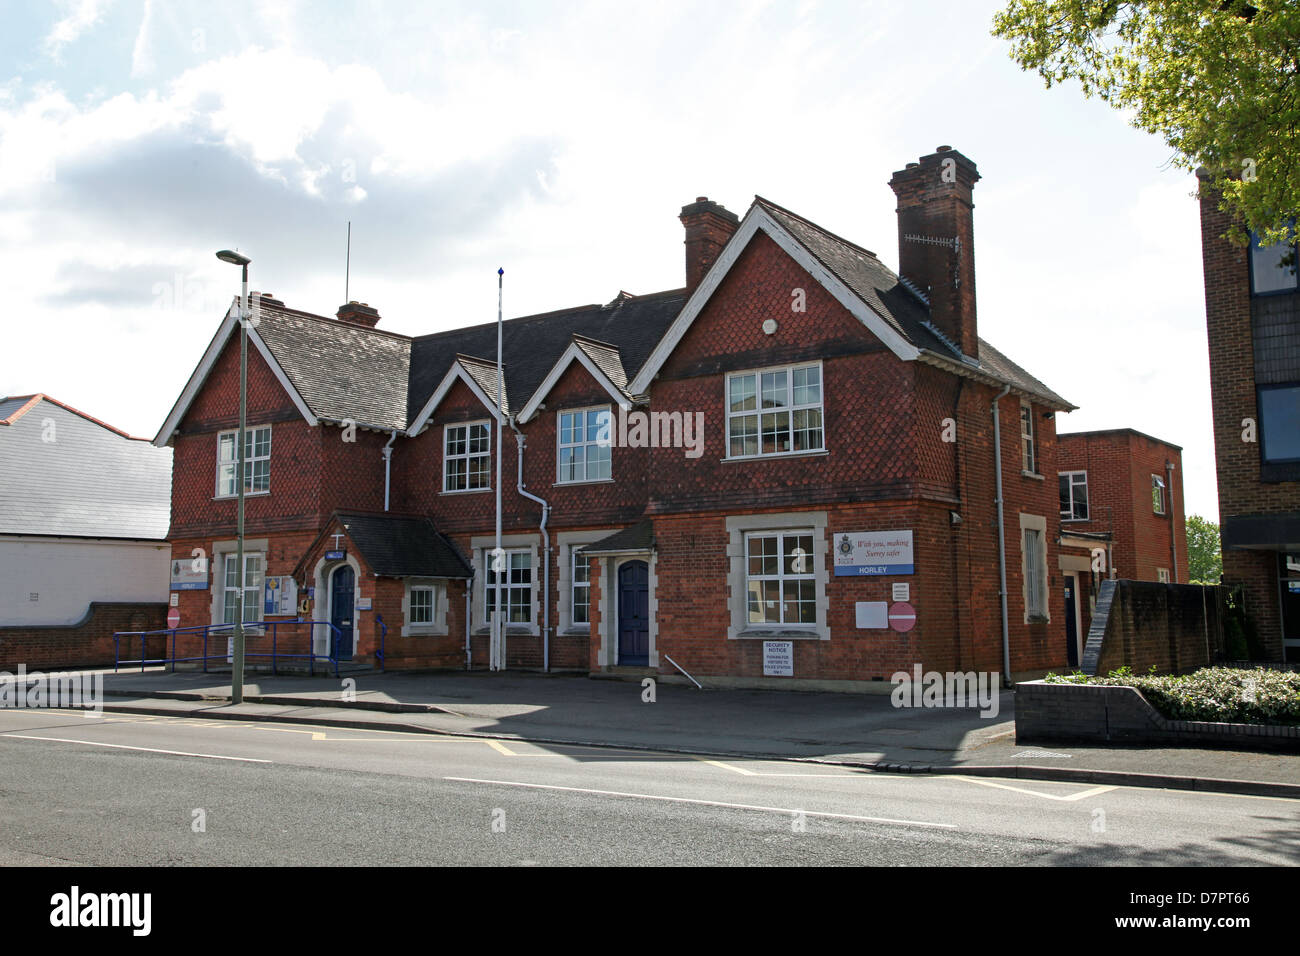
(942, 149)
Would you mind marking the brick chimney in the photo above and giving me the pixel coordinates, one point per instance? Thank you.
(936, 242)
(359, 313)
(708, 227)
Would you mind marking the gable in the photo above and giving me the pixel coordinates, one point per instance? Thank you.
(767, 284)
(216, 402)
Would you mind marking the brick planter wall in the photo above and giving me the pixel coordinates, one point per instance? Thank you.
(1090, 713)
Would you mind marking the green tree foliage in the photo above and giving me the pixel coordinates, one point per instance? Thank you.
(1204, 560)
(1217, 80)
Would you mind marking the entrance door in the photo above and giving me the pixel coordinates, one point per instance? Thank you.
(1071, 623)
(342, 589)
(634, 614)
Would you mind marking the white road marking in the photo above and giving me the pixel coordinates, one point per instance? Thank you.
(1082, 795)
(152, 750)
(787, 811)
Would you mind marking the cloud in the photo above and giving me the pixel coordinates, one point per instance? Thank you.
(81, 16)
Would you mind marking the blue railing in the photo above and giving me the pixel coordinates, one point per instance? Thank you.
(331, 658)
(383, 633)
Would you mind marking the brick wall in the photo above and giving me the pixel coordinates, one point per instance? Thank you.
(89, 642)
(1178, 628)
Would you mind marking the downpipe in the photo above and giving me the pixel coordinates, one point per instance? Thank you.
(387, 452)
(1002, 543)
(546, 552)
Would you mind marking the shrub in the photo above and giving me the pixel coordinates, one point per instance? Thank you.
(1218, 694)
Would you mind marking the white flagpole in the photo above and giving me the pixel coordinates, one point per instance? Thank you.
(498, 626)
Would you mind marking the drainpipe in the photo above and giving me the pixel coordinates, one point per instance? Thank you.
(546, 554)
(469, 650)
(1002, 544)
(1173, 539)
(388, 462)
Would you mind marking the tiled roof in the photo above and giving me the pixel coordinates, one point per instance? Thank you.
(900, 306)
(638, 537)
(341, 370)
(67, 474)
(400, 547)
(533, 344)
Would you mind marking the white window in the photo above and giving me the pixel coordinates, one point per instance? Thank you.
(1157, 494)
(583, 444)
(516, 586)
(466, 456)
(1028, 453)
(775, 411)
(1162, 575)
(422, 603)
(779, 581)
(252, 588)
(581, 607)
(1074, 495)
(1035, 573)
(257, 461)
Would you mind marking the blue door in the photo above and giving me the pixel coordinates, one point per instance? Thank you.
(342, 588)
(634, 614)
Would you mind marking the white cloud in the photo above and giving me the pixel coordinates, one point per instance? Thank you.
(81, 16)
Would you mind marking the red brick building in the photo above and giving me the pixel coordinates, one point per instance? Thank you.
(785, 470)
(1252, 312)
(1121, 495)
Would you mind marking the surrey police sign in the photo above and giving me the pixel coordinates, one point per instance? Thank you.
(873, 552)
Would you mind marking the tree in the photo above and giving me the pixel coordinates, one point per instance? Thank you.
(1217, 80)
(1204, 560)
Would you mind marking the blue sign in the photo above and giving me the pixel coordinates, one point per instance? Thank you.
(873, 552)
(335, 555)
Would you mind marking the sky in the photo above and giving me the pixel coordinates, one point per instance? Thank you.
(558, 141)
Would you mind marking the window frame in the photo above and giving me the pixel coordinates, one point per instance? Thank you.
(758, 412)
(467, 457)
(781, 576)
(1262, 418)
(1254, 248)
(489, 586)
(1028, 440)
(1162, 576)
(1158, 482)
(250, 437)
(415, 589)
(1035, 571)
(560, 445)
(1069, 476)
(576, 552)
(229, 557)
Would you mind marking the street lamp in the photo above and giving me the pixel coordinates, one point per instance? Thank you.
(237, 669)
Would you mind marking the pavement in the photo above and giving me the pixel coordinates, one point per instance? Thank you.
(858, 730)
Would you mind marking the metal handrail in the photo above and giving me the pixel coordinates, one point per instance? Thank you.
(206, 629)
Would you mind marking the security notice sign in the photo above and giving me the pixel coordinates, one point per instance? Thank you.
(778, 658)
(873, 552)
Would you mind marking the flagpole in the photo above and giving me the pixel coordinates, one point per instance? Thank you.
(498, 627)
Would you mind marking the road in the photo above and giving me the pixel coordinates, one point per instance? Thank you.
(135, 790)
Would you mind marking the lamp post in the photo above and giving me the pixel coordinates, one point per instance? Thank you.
(237, 668)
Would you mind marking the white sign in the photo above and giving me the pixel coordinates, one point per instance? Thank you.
(872, 615)
(778, 658)
(364, 604)
(903, 592)
(186, 578)
(873, 552)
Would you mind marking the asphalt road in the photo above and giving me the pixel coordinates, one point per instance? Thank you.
(133, 790)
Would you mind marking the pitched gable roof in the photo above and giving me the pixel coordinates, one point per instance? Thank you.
(601, 360)
(399, 547)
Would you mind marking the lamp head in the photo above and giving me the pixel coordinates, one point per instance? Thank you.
(234, 258)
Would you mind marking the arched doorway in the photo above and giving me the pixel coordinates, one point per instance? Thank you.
(342, 604)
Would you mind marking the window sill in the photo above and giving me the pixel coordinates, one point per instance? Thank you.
(1075, 520)
(466, 491)
(514, 630)
(1031, 474)
(815, 453)
(778, 634)
(235, 497)
(593, 481)
(423, 630)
